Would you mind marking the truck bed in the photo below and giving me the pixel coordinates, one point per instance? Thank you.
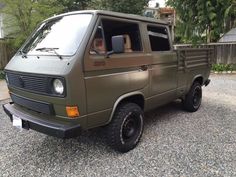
(189, 58)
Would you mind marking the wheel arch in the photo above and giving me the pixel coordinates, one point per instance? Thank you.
(198, 78)
(134, 97)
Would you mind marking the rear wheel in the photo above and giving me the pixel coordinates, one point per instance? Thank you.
(126, 128)
(193, 99)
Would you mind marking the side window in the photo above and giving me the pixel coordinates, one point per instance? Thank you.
(130, 32)
(109, 28)
(98, 44)
(159, 39)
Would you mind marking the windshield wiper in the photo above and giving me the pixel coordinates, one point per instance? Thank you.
(23, 53)
(49, 49)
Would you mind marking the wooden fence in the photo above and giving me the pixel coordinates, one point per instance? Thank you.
(224, 53)
(5, 54)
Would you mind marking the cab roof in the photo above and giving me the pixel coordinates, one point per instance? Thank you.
(113, 14)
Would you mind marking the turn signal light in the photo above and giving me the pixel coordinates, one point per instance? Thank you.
(72, 111)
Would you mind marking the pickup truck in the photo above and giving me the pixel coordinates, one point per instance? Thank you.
(88, 69)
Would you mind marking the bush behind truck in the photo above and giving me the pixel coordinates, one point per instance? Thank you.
(88, 69)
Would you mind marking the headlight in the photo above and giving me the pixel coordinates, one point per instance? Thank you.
(58, 86)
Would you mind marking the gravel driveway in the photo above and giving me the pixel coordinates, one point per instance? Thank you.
(174, 143)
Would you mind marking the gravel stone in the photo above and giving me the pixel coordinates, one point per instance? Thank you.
(174, 143)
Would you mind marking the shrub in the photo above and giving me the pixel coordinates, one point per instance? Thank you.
(223, 67)
(2, 74)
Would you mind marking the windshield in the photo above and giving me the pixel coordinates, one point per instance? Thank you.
(62, 35)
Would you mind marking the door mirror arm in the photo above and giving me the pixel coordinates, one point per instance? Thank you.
(109, 53)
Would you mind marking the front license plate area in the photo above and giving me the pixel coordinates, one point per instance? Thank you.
(17, 122)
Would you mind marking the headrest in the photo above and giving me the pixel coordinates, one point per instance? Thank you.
(127, 42)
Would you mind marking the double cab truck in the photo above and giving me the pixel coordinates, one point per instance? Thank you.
(87, 69)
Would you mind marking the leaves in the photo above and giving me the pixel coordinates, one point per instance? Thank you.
(72, 5)
(204, 20)
(131, 6)
(22, 16)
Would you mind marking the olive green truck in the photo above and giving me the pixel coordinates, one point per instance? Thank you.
(88, 69)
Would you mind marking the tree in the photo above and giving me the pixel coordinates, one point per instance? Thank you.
(201, 19)
(230, 16)
(131, 6)
(22, 16)
(72, 5)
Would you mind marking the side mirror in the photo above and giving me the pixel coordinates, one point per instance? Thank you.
(117, 44)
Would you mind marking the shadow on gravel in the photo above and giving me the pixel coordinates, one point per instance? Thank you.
(159, 114)
(95, 139)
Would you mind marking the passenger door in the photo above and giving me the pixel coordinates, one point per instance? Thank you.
(163, 74)
(109, 77)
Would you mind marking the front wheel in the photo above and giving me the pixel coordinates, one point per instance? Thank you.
(193, 99)
(126, 127)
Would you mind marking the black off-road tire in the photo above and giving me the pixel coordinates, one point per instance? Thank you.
(193, 99)
(126, 128)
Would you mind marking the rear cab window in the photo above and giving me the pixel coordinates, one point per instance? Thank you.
(159, 38)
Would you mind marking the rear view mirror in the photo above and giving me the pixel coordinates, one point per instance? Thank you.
(118, 44)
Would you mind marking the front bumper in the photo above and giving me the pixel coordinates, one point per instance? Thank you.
(207, 82)
(44, 126)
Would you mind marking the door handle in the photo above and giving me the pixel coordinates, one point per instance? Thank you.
(144, 68)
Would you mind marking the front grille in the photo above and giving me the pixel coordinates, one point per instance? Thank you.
(31, 83)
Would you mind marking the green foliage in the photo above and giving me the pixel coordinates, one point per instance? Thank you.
(131, 6)
(72, 5)
(2, 74)
(22, 16)
(202, 20)
(222, 67)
